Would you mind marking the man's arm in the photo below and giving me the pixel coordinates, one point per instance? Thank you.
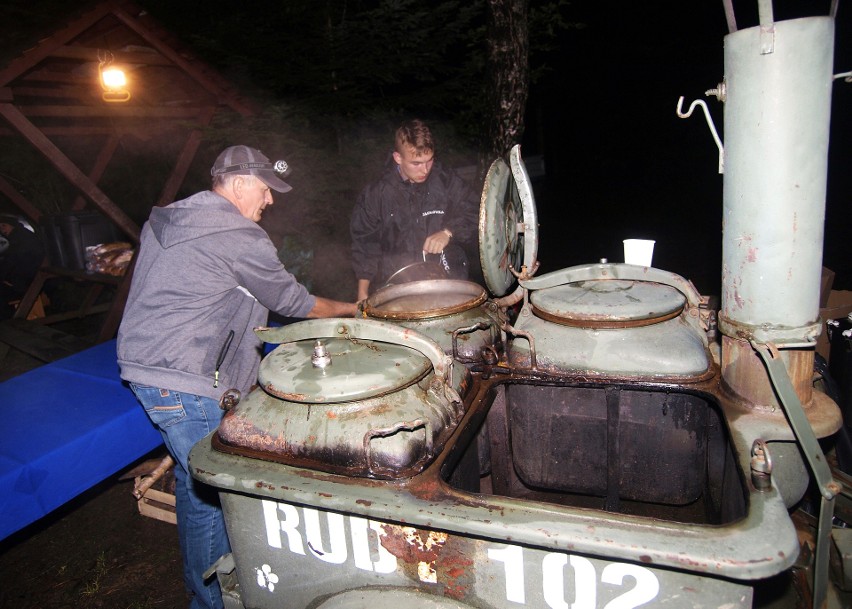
(325, 307)
(363, 289)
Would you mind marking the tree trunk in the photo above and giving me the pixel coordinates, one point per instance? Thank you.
(508, 73)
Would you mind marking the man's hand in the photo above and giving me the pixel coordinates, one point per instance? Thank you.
(436, 242)
(325, 307)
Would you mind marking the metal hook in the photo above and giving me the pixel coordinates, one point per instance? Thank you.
(709, 119)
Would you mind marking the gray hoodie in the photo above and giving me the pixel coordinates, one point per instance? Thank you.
(204, 278)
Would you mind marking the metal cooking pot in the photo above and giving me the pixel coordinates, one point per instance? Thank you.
(356, 397)
(452, 312)
(613, 320)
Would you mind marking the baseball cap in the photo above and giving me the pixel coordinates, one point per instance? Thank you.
(243, 160)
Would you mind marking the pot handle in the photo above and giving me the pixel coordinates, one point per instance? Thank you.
(383, 432)
(370, 329)
(605, 270)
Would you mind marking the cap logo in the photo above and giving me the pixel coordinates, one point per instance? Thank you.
(277, 167)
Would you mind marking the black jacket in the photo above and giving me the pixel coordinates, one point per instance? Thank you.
(392, 218)
(19, 263)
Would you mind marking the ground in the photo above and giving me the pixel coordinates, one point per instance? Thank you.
(95, 552)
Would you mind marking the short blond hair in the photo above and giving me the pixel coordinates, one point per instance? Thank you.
(416, 134)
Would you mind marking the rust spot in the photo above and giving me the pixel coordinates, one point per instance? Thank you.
(284, 395)
(646, 559)
(331, 414)
(364, 502)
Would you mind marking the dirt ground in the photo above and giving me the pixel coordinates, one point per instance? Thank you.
(95, 552)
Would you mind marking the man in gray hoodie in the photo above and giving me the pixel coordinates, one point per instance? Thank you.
(206, 275)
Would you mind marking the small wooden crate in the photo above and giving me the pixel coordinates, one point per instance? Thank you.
(157, 503)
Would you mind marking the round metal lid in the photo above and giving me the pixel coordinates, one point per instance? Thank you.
(339, 370)
(424, 299)
(607, 303)
(508, 228)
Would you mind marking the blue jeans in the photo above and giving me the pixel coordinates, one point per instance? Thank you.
(184, 419)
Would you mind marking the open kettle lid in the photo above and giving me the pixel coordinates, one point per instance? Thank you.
(508, 226)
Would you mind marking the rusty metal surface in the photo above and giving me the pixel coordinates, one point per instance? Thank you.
(388, 436)
(424, 299)
(743, 549)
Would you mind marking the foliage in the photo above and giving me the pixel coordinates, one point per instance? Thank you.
(345, 61)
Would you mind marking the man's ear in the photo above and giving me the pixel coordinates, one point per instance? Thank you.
(237, 184)
(397, 158)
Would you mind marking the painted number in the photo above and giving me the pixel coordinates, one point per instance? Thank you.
(324, 536)
(555, 567)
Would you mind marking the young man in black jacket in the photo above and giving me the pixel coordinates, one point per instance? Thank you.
(417, 208)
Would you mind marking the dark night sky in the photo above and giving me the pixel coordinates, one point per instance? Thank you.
(621, 163)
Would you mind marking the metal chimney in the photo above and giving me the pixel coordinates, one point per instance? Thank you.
(777, 93)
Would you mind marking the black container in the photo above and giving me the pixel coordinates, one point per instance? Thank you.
(840, 362)
(68, 235)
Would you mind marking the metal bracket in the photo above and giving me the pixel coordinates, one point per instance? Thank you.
(761, 466)
(709, 119)
(767, 27)
(814, 456)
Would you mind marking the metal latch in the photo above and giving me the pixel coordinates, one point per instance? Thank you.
(761, 465)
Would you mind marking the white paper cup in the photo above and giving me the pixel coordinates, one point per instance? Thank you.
(639, 251)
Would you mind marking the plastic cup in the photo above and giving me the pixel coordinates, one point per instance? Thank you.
(639, 251)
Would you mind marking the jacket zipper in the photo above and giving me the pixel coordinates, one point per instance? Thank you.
(222, 352)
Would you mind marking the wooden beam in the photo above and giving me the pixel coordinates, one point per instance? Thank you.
(110, 110)
(47, 46)
(178, 174)
(121, 57)
(98, 168)
(67, 168)
(142, 132)
(32, 212)
(78, 92)
(51, 76)
(202, 79)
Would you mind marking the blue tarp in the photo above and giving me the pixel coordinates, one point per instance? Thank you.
(65, 427)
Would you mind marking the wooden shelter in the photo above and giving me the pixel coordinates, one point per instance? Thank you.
(53, 101)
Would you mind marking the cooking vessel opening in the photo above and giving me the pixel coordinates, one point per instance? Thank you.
(424, 299)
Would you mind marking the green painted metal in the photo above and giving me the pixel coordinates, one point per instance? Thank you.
(437, 309)
(608, 302)
(778, 84)
(612, 319)
(381, 403)
(816, 461)
(508, 225)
